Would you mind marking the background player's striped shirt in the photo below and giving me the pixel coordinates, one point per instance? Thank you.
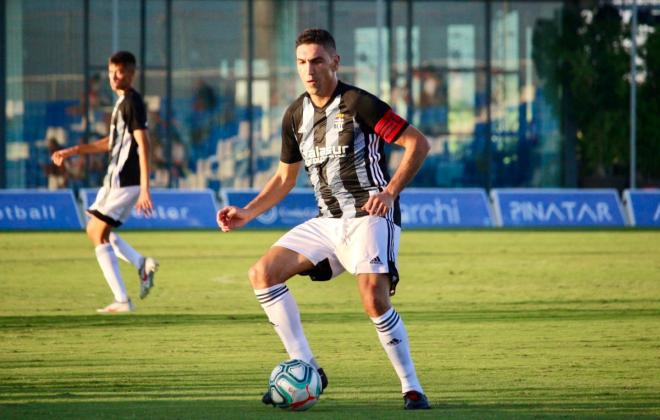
(128, 115)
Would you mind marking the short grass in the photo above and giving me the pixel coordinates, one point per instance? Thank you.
(503, 324)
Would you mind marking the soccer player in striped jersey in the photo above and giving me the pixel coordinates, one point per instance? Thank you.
(126, 184)
(338, 132)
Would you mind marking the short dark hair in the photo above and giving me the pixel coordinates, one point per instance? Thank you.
(123, 57)
(317, 36)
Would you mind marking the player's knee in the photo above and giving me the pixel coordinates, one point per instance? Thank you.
(375, 302)
(261, 276)
(253, 274)
(91, 232)
(97, 233)
(376, 307)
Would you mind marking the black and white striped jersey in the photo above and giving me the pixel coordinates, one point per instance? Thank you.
(342, 147)
(129, 114)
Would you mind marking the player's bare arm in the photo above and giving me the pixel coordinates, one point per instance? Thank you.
(144, 203)
(416, 147)
(99, 146)
(232, 217)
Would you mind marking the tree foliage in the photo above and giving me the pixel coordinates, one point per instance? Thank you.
(648, 138)
(582, 58)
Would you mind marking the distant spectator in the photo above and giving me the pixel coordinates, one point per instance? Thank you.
(205, 97)
(97, 100)
(157, 134)
(203, 119)
(57, 175)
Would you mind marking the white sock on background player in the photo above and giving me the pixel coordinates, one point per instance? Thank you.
(110, 267)
(283, 314)
(125, 251)
(394, 338)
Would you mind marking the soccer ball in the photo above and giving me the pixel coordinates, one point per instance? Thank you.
(294, 385)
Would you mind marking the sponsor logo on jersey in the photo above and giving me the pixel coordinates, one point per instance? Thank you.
(320, 154)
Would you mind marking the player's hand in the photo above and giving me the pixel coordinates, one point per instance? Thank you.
(144, 203)
(379, 204)
(231, 217)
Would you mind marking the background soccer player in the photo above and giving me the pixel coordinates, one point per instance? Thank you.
(126, 183)
(338, 131)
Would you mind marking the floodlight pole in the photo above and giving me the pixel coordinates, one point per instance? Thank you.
(86, 76)
(168, 91)
(633, 97)
(3, 98)
(250, 80)
(115, 26)
(380, 25)
(143, 50)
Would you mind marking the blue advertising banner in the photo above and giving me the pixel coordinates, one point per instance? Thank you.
(445, 208)
(38, 210)
(298, 206)
(557, 208)
(420, 208)
(173, 209)
(643, 207)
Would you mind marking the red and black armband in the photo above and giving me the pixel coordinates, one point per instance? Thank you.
(390, 126)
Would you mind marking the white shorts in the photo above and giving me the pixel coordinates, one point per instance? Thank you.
(114, 205)
(368, 244)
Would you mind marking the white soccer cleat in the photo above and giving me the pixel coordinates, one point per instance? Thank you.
(146, 273)
(117, 308)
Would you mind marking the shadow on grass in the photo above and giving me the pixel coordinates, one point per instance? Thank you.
(328, 409)
(465, 315)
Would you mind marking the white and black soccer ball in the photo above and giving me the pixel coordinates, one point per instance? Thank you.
(294, 385)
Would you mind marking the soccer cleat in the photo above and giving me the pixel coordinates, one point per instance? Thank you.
(413, 400)
(117, 308)
(146, 273)
(324, 379)
(266, 398)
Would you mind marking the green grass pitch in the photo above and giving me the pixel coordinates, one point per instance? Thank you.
(503, 324)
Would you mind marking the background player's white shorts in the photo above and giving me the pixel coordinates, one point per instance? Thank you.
(114, 205)
(368, 244)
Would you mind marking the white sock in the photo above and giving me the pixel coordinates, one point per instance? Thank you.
(283, 314)
(124, 251)
(110, 267)
(394, 338)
